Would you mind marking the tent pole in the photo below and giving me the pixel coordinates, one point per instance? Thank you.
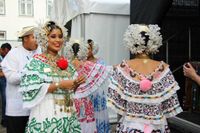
(167, 51)
(189, 33)
(83, 26)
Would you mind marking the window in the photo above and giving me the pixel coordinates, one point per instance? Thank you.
(2, 35)
(49, 7)
(2, 7)
(26, 7)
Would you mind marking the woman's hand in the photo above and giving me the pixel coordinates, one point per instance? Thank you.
(67, 84)
(72, 84)
(77, 82)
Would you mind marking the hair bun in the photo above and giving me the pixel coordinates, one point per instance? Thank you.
(143, 38)
(50, 23)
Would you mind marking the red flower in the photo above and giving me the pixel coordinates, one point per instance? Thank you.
(62, 63)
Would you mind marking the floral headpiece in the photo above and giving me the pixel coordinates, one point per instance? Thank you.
(42, 31)
(82, 53)
(95, 47)
(135, 41)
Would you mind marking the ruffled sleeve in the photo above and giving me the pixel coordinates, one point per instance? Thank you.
(97, 77)
(35, 82)
(171, 106)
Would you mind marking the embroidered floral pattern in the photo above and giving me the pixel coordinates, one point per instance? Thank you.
(145, 111)
(84, 109)
(103, 126)
(54, 125)
(38, 65)
(100, 107)
(99, 102)
(93, 94)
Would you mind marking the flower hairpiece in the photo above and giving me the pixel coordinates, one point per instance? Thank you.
(135, 41)
(41, 34)
(82, 53)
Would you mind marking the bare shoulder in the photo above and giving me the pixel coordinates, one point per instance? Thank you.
(145, 64)
(160, 62)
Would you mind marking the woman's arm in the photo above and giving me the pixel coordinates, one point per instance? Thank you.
(67, 84)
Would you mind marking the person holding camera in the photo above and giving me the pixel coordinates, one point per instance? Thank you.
(190, 72)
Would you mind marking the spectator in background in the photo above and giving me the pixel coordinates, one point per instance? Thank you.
(93, 49)
(5, 48)
(12, 66)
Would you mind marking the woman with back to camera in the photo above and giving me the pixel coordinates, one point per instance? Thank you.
(48, 83)
(143, 90)
(90, 97)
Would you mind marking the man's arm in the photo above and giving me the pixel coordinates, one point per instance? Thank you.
(10, 66)
(190, 72)
(1, 74)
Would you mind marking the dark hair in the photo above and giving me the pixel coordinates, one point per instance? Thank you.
(89, 41)
(50, 25)
(6, 45)
(75, 48)
(146, 37)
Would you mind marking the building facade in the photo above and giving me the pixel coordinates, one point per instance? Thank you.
(16, 14)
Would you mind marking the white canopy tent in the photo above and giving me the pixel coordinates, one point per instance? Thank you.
(104, 21)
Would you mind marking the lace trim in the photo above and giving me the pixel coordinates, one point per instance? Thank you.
(129, 89)
(133, 73)
(158, 119)
(97, 77)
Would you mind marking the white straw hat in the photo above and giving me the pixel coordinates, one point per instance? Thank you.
(26, 31)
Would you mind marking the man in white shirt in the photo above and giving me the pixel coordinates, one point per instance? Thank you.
(12, 67)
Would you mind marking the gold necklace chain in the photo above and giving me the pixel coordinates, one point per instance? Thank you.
(51, 60)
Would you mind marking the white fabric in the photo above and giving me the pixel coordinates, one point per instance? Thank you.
(88, 127)
(104, 21)
(49, 114)
(65, 10)
(60, 11)
(107, 31)
(12, 66)
(40, 111)
(126, 124)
